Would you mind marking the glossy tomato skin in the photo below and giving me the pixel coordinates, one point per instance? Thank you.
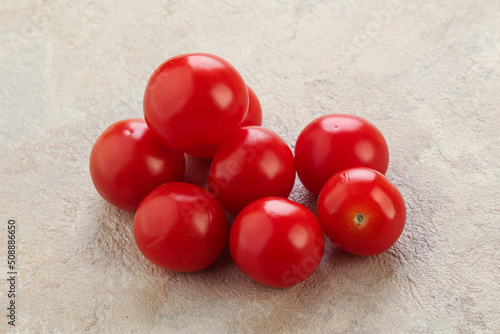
(127, 162)
(253, 162)
(253, 117)
(181, 227)
(276, 242)
(194, 100)
(332, 143)
(361, 211)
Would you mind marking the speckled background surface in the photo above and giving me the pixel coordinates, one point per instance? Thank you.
(427, 73)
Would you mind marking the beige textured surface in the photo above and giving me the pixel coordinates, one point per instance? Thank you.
(427, 73)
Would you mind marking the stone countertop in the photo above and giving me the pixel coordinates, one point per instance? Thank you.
(426, 73)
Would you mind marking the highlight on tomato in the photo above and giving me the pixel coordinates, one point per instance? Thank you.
(253, 117)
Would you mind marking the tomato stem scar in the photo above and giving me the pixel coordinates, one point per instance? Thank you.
(359, 218)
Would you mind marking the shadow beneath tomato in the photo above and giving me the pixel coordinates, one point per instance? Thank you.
(368, 271)
(230, 218)
(109, 240)
(197, 171)
(303, 196)
(223, 262)
(219, 271)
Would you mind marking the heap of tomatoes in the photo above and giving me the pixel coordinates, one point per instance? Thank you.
(200, 105)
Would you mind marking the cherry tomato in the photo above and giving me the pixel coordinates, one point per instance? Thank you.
(253, 117)
(194, 100)
(254, 113)
(335, 142)
(361, 211)
(277, 242)
(181, 227)
(253, 162)
(127, 162)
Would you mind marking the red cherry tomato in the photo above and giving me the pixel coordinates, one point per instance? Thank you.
(253, 117)
(254, 113)
(277, 242)
(361, 211)
(253, 162)
(127, 162)
(335, 142)
(181, 227)
(194, 100)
